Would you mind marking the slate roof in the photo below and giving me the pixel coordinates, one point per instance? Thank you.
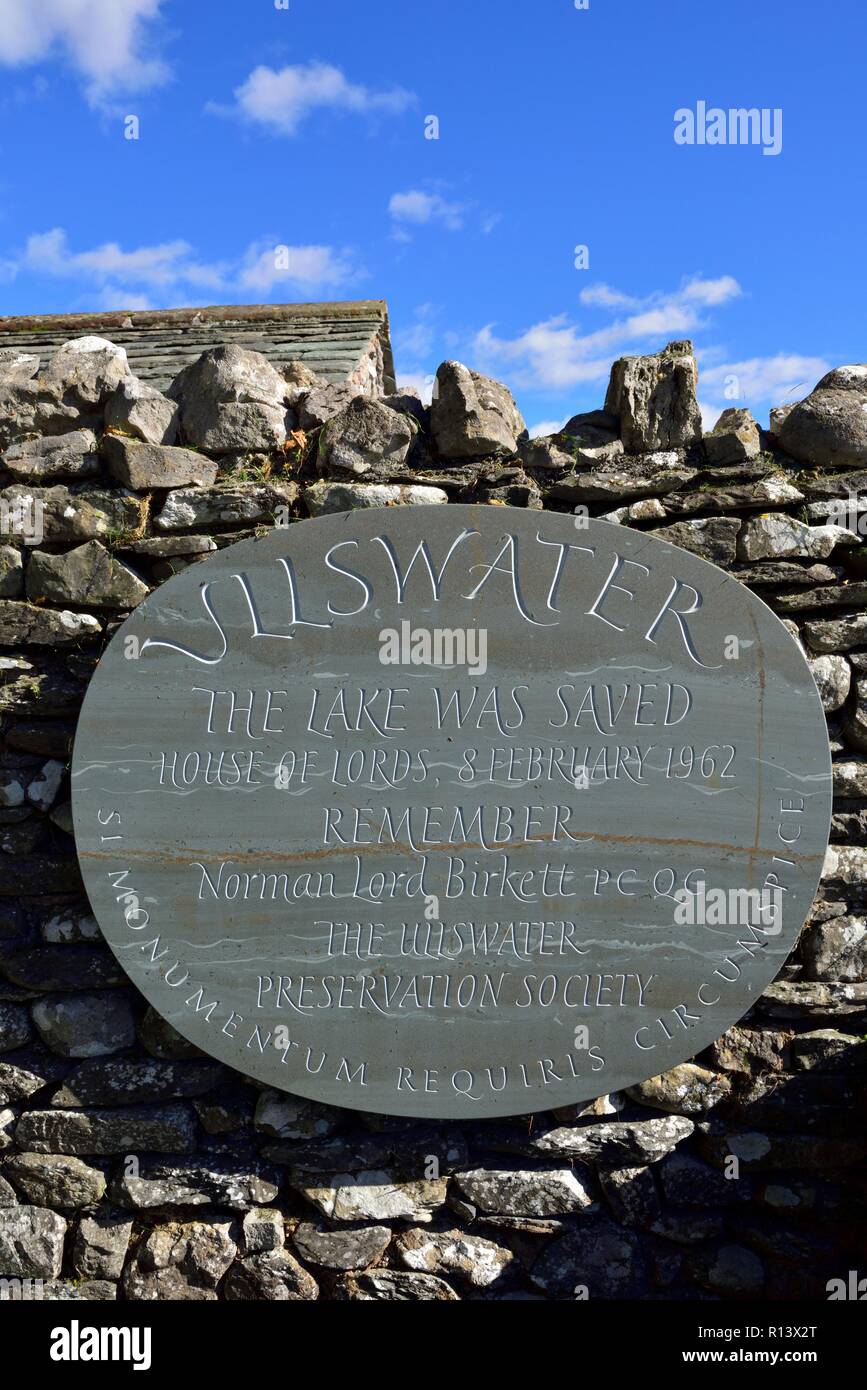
(339, 341)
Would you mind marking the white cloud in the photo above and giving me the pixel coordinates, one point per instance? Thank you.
(605, 297)
(421, 209)
(280, 99)
(125, 278)
(109, 42)
(711, 292)
(546, 427)
(778, 380)
(307, 267)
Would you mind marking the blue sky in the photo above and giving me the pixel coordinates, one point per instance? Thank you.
(304, 127)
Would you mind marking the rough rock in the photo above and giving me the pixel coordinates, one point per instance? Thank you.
(100, 1245)
(262, 1229)
(140, 410)
(16, 365)
(828, 1049)
(836, 950)
(734, 438)
(597, 1260)
(631, 1193)
(79, 1291)
(231, 400)
(15, 1029)
(542, 1192)
(688, 1182)
(760, 1150)
(85, 371)
(393, 1286)
(356, 1247)
(777, 536)
(374, 1195)
(833, 677)
(46, 1179)
(323, 498)
(729, 1269)
(618, 1144)
(71, 926)
(713, 538)
(127, 1081)
(273, 1276)
(850, 779)
(142, 466)
(11, 572)
(89, 576)
(25, 625)
(470, 1258)
(69, 457)
(830, 426)
(290, 1117)
(686, 1089)
(31, 1243)
(471, 415)
(183, 1261)
(220, 1183)
(836, 634)
(226, 504)
(655, 401)
(87, 1025)
(322, 403)
(157, 1129)
(363, 436)
(78, 512)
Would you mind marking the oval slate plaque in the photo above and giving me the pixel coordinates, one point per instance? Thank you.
(452, 811)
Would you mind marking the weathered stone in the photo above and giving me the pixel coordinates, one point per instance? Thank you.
(619, 1144)
(357, 1247)
(777, 535)
(684, 1090)
(31, 1243)
(374, 1195)
(55, 1180)
(15, 1029)
(8, 1197)
(734, 438)
(777, 574)
(712, 538)
(163, 1041)
(768, 490)
(7, 1128)
(169, 547)
(25, 1075)
(845, 595)
(11, 572)
(23, 625)
(142, 466)
(729, 1269)
(273, 1276)
(86, 371)
(16, 365)
(828, 1049)
(553, 453)
(100, 1245)
(596, 1260)
(42, 789)
(180, 1261)
(55, 969)
(777, 415)
(157, 1129)
(140, 410)
(688, 1182)
(323, 497)
(471, 415)
(364, 436)
(393, 1286)
(321, 403)
(543, 1192)
(216, 1183)
(262, 1230)
(89, 576)
(88, 1025)
(69, 457)
(795, 999)
(655, 401)
(646, 509)
(70, 926)
(855, 721)
(836, 634)
(836, 950)
(53, 873)
(833, 677)
(231, 400)
(79, 1291)
(470, 1258)
(650, 473)
(846, 864)
(747, 1050)
(631, 1194)
(829, 427)
(289, 1117)
(79, 512)
(226, 504)
(127, 1081)
(758, 1150)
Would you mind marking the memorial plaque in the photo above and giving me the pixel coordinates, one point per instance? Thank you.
(452, 811)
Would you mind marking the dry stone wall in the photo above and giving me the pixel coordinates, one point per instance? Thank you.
(133, 1167)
